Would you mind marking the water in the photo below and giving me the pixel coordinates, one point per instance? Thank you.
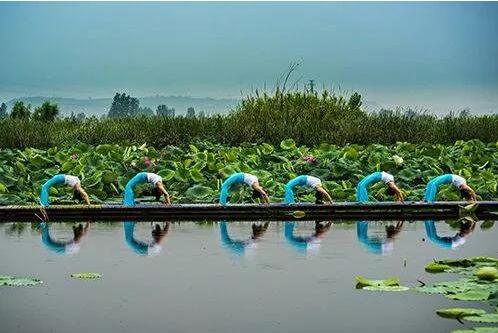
(192, 282)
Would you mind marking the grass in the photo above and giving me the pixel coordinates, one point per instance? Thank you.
(307, 118)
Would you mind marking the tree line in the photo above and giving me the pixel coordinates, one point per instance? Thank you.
(122, 106)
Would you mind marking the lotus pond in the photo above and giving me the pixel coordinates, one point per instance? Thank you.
(194, 173)
(236, 277)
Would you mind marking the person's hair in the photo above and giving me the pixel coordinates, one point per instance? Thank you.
(318, 197)
(464, 193)
(390, 191)
(77, 231)
(256, 194)
(77, 195)
(157, 193)
(156, 231)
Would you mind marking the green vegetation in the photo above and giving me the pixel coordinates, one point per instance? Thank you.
(86, 275)
(469, 288)
(308, 118)
(195, 174)
(13, 281)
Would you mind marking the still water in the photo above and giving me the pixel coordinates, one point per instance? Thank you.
(229, 277)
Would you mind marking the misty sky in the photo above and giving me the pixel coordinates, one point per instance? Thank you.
(440, 56)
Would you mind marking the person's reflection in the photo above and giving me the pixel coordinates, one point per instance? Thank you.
(142, 248)
(466, 228)
(64, 247)
(311, 243)
(239, 247)
(376, 244)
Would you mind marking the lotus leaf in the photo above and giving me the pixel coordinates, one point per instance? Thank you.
(198, 192)
(435, 267)
(471, 295)
(386, 288)
(363, 282)
(487, 273)
(459, 312)
(288, 144)
(491, 318)
(13, 281)
(298, 214)
(478, 330)
(86, 275)
(431, 290)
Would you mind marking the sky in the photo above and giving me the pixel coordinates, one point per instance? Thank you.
(437, 56)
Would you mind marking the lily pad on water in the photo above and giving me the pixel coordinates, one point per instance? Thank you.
(478, 330)
(298, 214)
(12, 281)
(386, 288)
(491, 318)
(471, 295)
(487, 273)
(431, 290)
(454, 313)
(435, 267)
(362, 282)
(86, 275)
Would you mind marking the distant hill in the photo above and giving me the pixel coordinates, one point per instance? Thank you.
(100, 106)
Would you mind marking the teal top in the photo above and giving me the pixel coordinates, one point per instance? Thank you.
(236, 178)
(299, 243)
(51, 244)
(376, 245)
(362, 188)
(373, 245)
(433, 186)
(289, 188)
(129, 196)
(55, 180)
(238, 247)
(138, 246)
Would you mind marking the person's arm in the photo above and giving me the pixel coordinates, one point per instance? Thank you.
(397, 192)
(264, 196)
(161, 188)
(85, 228)
(324, 192)
(83, 193)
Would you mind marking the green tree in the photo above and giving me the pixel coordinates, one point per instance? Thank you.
(20, 111)
(145, 111)
(123, 106)
(46, 112)
(355, 101)
(191, 112)
(3, 110)
(163, 110)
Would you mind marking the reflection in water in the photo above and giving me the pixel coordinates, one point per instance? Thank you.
(239, 247)
(466, 228)
(373, 243)
(376, 244)
(143, 248)
(311, 243)
(64, 247)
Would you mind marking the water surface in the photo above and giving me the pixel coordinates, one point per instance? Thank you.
(215, 277)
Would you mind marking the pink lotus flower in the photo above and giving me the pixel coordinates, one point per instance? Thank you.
(147, 162)
(309, 158)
